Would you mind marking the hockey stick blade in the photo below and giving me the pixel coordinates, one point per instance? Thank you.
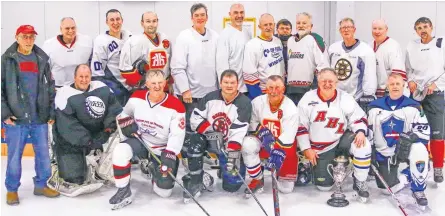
(389, 189)
(169, 173)
(247, 186)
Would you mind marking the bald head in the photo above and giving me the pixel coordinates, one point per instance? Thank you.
(266, 18)
(149, 15)
(237, 15)
(236, 6)
(379, 30)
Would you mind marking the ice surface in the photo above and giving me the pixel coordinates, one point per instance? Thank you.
(307, 201)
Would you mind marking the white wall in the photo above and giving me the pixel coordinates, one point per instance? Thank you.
(173, 16)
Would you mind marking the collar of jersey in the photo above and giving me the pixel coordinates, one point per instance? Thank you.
(382, 104)
(322, 99)
(160, 102)
(60, 39)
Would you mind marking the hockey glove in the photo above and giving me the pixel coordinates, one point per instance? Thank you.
(276, 159)
(127, 125)
(168, 162)
(139, 65)
(364, 101)
(233, 156)
(99, 139)
(266, 138)
(403, 148)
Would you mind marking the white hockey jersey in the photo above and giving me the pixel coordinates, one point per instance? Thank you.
(262, 58)
(231, 118)
(282, 123)
(322, 123)
(65, 57)
(161, 125)
(389, 59)
(425, 63)
(306, 56)
(386, 123)
(194, 62)
(157, 54)
(106, 56)
(230, 53)
(356, 68)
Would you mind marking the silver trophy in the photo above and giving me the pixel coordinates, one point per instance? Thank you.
(340, 171)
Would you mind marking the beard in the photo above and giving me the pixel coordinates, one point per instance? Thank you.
(302, 33)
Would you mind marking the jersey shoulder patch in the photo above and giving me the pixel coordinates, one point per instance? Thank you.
(174, 103)
(319, 40)
(439, 42)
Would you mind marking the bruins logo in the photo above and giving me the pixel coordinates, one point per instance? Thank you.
(344, 69)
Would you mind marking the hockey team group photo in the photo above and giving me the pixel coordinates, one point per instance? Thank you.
(310, 108)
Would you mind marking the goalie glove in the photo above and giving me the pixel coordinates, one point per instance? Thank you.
(403, 147)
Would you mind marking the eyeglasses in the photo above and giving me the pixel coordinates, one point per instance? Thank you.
(25, 37)
(344, 28)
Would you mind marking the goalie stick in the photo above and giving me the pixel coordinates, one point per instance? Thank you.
(389, 189)
(169, 173)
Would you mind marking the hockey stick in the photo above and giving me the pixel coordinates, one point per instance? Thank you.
(247, 186)
(169, 173)
(389, 189)
(276, 200)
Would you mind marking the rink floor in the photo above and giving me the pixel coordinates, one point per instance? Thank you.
(303, 201)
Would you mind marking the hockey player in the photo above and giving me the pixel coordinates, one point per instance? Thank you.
(225, 111)
(85, 117)
(355, 64)
(194, 61)
(307, 55)
(400, 134)
(388, 55)
(263, 57)
(425, 68)
(284, 32)
(106, 56)
(230, 47)
(332, 125)
(157, 118)
(66, 51)
(148, 51)
(274, 125)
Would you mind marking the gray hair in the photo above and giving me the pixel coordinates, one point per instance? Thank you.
(308, 15)
(276, 78)
(327, 70)
(196, 7)
(346, 19)
(65, 18)
(151, 73)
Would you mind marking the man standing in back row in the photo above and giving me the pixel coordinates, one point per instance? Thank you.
(425, 68)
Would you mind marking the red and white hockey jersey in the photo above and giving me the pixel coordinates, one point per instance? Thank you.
(389, 60)
(161, 125)
(262, 58)
(306, 56)
(425, 63)
(65, 57)
(355, 67)
(106, 55)
(282, 123)
(156, 54)
(322, 122)
(231, 118)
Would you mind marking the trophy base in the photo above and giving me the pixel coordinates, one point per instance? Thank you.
(338, 200)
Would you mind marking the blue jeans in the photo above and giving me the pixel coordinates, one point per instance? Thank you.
(16, 136)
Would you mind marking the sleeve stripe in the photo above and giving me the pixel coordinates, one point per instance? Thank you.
(234, 145)
(284, 145)
(203, 126)
(364, 120)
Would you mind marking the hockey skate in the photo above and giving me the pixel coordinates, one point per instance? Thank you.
(421, 199)
(340, 171)
(195, 189)
(256, 186)
(122, 198)
(361, 189)
(438, 175)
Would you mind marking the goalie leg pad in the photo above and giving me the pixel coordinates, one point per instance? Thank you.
(72, 166)
(320, 171)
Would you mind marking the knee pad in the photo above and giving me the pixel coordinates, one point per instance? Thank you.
(251, 145)
(164, 193)
(324, 188)
(122, 154)
(186, 145)
(197, 145)
(285, 186)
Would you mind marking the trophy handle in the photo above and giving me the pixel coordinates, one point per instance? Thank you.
(329, 172)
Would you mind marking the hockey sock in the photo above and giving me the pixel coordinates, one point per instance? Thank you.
(437, 151)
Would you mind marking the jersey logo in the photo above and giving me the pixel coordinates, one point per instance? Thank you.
(333, 122)
(274, 126)
(166, 44)
(181, 123)
(221, 123)
(344, 69)
(158, 59)
(95, 106)
(391, 128)
(297, 55)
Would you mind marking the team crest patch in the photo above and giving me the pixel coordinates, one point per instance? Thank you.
(221, 123)
(95, 106)
(280, 113)
(158, 59)
(391, 128)
(166, 44)
(344, 69)
(274, 126)
(182, 123)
